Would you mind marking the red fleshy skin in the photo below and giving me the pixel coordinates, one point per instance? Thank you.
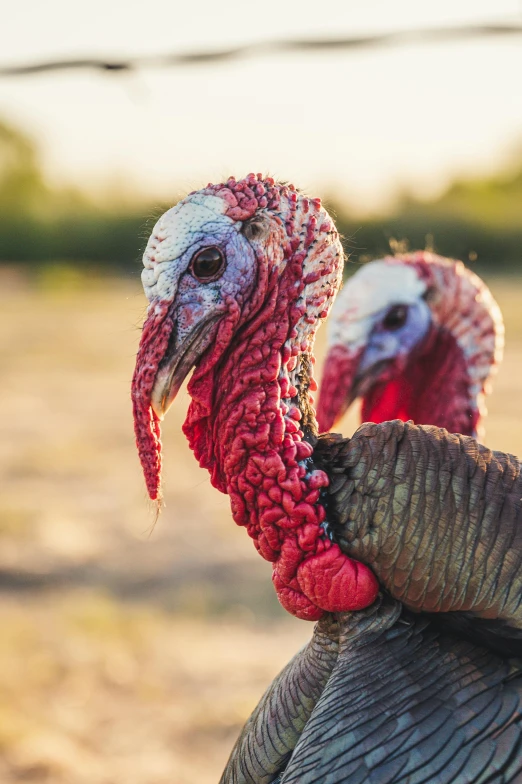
(153, 344)
(295, 602)
(337, 583)
(434, 388)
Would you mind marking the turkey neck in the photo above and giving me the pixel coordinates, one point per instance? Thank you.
(251, 423)
(257, 440)
(262, 433)
(265, 440)
(435, 387)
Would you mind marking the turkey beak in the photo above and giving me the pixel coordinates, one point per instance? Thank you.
(377, 356)
(181, 356)
(367, 378)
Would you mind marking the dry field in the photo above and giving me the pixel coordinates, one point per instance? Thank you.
(129, 653)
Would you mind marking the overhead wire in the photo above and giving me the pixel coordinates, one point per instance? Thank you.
(265, 48)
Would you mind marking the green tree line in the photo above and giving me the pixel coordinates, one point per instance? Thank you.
(478, 220)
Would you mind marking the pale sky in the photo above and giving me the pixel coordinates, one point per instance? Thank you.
(362, 123)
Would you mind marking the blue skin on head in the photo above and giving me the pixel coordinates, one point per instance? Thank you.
(397, 330)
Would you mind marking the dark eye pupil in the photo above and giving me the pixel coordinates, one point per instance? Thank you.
(207, 263)
(395, 317)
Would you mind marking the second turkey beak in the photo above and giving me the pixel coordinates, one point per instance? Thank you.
(367, 377)
(181, 356)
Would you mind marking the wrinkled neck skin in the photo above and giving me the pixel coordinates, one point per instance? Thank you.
(251, 423)
(435, 387)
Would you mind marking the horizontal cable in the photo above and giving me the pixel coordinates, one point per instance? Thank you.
(398, 38)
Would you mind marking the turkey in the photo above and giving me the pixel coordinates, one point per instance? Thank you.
(416, 336)
(410, 536)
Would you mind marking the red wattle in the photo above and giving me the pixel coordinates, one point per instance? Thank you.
(337, 583)
(433, 388)
(394, 399)
(295, 602)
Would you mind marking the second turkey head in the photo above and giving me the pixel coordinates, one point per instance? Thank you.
(416, 336)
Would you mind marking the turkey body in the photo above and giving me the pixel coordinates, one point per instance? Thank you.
(403, 702)
(404, 691)
(404, 542)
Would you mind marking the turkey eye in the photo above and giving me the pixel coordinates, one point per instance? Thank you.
(395, 317)
(207, 264)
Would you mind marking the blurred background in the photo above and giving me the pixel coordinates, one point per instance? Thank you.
(131, 651)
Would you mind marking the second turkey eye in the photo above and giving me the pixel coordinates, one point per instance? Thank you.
(207, 264)
(395, 317)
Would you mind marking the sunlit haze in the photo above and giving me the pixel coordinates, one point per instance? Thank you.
(360, 123)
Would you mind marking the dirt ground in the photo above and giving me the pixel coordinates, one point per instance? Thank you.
(130, 652)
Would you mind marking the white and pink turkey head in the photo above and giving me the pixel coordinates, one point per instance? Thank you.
(416, 336)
